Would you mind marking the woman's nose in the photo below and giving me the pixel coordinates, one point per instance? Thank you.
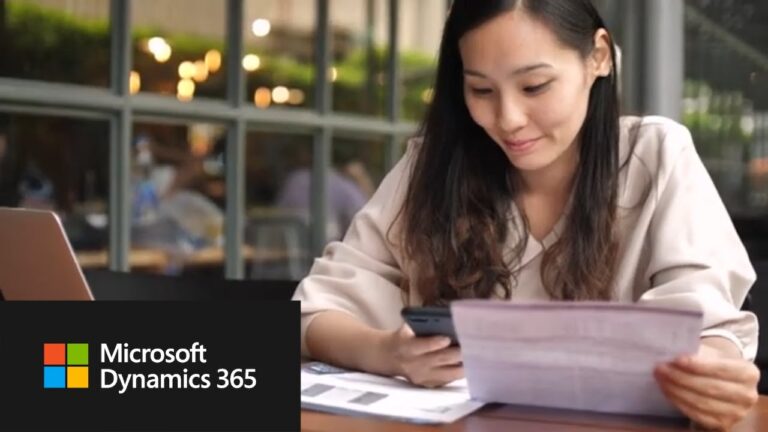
(511, 116)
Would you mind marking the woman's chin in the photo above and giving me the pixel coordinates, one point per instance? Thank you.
(527, 163)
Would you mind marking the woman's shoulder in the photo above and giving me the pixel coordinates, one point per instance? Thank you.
(650, 149)
(412, 146)
(656, 142)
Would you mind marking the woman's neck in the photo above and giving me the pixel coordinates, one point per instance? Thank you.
(554, 180)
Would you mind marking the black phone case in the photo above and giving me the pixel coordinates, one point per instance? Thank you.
(430, 321)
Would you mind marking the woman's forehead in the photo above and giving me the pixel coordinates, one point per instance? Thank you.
(510, 40)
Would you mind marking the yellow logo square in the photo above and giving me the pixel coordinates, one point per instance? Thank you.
(77, 377)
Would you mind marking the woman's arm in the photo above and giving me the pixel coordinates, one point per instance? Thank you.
(696, 258)
(351, 300)
(721, 347)
(698, 261)
(340, 339)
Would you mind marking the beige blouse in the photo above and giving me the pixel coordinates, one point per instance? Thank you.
(678, 246)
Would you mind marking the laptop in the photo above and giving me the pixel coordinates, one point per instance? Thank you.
(36, 259)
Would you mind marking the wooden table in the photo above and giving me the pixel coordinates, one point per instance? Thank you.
(148, 259)
(155, 260)
(494, 418)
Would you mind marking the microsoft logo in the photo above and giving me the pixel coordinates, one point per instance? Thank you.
(65, 365)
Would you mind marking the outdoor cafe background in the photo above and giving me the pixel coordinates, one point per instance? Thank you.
(237, 137)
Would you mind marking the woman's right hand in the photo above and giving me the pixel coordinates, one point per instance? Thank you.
(424, 361)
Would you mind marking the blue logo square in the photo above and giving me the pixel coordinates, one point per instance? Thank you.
(54, 377)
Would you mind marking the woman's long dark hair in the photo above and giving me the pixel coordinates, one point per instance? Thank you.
(456, 213)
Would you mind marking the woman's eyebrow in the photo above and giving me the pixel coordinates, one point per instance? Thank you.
(518, 71)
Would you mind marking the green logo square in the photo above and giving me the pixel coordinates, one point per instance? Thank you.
(77, 354)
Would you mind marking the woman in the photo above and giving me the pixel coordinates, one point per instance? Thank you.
(526, 185)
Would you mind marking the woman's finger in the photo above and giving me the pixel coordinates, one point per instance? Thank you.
(441, 376)
(406, 332)
(451, 373)
(695, 415)
(710, 406)
(450, 356)
(735, 370)
(419, 346)
(707, 387)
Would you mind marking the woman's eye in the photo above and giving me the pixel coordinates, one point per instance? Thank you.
(480, 91)
(537, 88)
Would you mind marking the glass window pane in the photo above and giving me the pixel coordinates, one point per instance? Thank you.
(279, 52)
(421, 26)
(356, 171)
(360, 44)
(178, 198)
(60, 164)
(278, 191)
(178, 48)
(55, 40)
(726, 108)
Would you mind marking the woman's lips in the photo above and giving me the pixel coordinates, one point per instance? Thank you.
(519, 146)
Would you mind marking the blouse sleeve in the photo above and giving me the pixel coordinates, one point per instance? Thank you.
(361, 275)
(696, 257)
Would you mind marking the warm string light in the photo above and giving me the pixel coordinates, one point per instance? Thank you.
(134, 82)
(186, 70)
(201, 71)
(261, 27)
(213, 60)
(296, 97)
(262, 97)
(251, 62)
(159, 48)
(280, 95)
(185, 90)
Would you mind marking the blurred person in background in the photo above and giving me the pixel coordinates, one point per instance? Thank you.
(349, 188)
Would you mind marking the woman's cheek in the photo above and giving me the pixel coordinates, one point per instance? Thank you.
(552, 111)
(480, 112)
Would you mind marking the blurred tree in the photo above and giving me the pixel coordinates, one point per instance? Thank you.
(747, 20)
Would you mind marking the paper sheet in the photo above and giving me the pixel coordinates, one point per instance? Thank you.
(575, 355)
(325, 388)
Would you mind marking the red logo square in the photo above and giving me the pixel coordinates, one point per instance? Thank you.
(54, 354)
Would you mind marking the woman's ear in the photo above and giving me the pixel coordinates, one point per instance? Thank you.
(600, 59)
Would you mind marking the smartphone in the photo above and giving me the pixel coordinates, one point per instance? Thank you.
(430, 321)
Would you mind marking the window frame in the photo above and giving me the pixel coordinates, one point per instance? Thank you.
(121, 109)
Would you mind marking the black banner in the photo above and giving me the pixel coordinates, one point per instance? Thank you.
(149, 366)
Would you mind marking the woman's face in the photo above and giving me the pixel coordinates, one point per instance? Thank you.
(527, 90)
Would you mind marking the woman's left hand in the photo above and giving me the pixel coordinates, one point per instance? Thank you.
(715, 388)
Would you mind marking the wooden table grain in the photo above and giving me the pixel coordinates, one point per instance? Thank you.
(494, 418)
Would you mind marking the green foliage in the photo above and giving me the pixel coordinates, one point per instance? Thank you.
(54, 46)
(715, 118)
(46, 39)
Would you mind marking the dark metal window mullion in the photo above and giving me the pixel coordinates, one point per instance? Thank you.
(235, 151)
(120, 136)
(122, 109)
(321, 160)
(394, 100)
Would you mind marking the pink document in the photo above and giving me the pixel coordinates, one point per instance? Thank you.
(590, 356)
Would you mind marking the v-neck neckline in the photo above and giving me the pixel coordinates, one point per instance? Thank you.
(535, 247)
